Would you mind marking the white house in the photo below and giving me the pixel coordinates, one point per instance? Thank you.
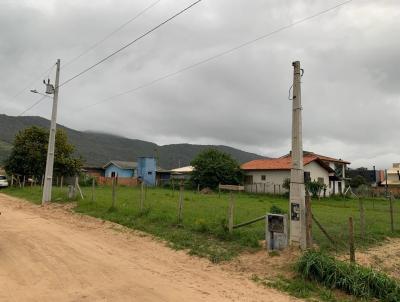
(393, 176)
(268, 175)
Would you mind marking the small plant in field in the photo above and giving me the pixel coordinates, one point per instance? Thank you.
(273, 253)
(201, 226)
(276, 210)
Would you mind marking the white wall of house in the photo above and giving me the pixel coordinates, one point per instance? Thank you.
(274, 179)
(337, 187)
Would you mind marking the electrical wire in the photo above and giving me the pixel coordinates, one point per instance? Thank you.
(223, 53)
(130, 43)
(33, 105)
(110, 34)
(47, 72)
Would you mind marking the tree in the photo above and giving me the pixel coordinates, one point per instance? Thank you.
(357, 181)
(212, 167)
(29, 152)
(315, 188)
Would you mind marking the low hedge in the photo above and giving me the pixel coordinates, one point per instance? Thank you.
(352, 278)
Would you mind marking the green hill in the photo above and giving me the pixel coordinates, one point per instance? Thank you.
(99, 148)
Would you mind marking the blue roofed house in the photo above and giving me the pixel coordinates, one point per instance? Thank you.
(120, 169)
(146, 170)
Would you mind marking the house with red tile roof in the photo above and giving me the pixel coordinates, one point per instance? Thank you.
(268, 175)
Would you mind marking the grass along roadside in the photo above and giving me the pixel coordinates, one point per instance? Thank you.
(203, 232)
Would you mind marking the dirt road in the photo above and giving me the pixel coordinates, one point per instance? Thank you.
(51, 254)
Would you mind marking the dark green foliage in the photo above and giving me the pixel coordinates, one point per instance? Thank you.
(351, 278)
(276, 210)
(357, 181)
(315, 188)
(28, 155)
(213, 167)
(286, 184)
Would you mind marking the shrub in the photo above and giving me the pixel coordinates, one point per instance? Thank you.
(352, 278)
(276, 210)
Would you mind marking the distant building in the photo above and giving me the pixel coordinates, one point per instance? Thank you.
(393, 176)
(146, 170)
(93, 171)
(268, 175)
(120, 169)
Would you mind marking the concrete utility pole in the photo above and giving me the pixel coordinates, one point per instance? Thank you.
(297, 191)
(48, 180)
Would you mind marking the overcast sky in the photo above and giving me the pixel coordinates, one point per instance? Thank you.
(350, 89)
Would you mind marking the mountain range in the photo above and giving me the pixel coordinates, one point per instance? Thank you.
(98, 148)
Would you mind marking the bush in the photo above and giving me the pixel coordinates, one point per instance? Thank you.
(276, 210)
(352, 278)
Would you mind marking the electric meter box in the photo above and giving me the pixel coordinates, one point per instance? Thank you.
(276, 232)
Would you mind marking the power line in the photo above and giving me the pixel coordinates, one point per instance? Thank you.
(130, 43)
(33, 105)
(223, 53)
(47, 72)
(85, 52)
(111, 33)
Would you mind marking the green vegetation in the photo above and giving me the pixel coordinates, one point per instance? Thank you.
(213, 167)
(5, 150)
(203, 231)
(28, 155)
(304, 289)
(352, 278)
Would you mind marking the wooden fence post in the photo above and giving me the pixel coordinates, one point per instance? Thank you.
(23, 182)
(309, 242)
(231, 209)
(12, 180)
(141, 196)
(362, 217)
(113, 192)
(391, 213)
(42, 182)
(62, 181)
(180, 205)
(351, 241)
(93, 184)
(219, 191)
(274, 189)
(198, 188)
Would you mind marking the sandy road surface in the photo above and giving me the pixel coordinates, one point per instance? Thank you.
(51, 254)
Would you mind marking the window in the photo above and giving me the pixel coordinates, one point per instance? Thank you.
(149, 173)
(113, 174)
(263, 177)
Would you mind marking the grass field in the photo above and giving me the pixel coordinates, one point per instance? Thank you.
(203, 230)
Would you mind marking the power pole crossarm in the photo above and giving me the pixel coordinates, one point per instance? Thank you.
(48, 179)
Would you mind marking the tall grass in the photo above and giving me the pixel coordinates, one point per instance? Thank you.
(352, 278)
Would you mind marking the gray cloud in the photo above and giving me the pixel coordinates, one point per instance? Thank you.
(350, 87)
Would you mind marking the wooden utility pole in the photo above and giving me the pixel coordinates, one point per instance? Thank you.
(297, 191)
(48, 181)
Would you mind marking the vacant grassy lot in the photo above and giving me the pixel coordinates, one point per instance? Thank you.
(203, 229)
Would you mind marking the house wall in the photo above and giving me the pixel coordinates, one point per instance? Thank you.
(121, 173)
(338, 186)
(275, 178)
(147, 170)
